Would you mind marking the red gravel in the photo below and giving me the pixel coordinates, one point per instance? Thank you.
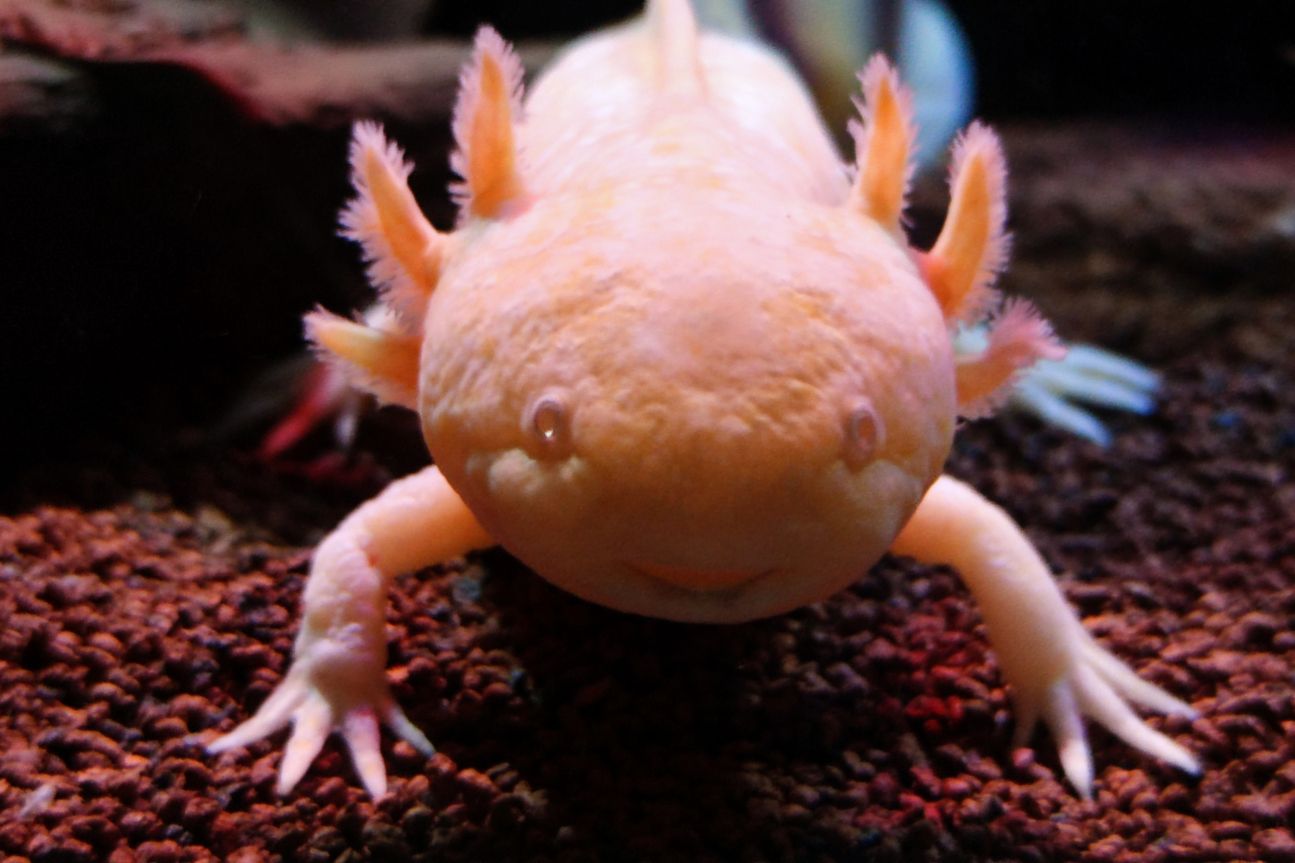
(159, 602)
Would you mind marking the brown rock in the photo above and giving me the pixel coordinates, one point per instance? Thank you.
(1275, 845)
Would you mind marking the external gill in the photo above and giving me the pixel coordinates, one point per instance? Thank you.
(380, 352)
(972, 246)
(1017, 338)
(405, 253)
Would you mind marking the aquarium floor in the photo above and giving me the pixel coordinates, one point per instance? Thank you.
(149, 598)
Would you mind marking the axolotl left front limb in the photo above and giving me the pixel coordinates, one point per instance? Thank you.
(338, 675)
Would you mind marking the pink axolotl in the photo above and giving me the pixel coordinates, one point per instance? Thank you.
(682, 362)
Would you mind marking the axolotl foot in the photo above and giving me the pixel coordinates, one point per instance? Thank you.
(1098, 685)
(309, 699)
(338, 681)
(1057, 672)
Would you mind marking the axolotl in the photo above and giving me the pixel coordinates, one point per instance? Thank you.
(681, 361)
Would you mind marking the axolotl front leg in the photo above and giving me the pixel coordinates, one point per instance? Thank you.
(338, 680)
(338, 677)
(1056, 670)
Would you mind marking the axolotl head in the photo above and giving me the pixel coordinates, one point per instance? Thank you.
(689, 417)
(682, 396)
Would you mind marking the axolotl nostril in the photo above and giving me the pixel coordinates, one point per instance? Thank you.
(682, 362)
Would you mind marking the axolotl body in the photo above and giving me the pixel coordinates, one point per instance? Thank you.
(681, 361)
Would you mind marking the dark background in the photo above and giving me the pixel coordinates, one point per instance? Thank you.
(1058, 59)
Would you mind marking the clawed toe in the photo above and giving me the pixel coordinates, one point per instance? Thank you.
(1127, 683)
(275, 713)
(310, 727)
(407, 731)
(360, 731)
(313, 718)
(1098, 686)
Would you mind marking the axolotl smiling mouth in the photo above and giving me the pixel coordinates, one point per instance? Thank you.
(700, 580)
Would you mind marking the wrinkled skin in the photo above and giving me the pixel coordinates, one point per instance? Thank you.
(747, 373)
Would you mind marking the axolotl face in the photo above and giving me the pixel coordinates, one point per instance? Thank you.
(684, 412)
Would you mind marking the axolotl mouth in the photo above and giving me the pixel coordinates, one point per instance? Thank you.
(700, 580)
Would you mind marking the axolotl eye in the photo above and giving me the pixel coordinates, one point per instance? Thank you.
(865, 434)
(546, 422)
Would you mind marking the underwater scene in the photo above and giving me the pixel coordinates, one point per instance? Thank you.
(647, 430)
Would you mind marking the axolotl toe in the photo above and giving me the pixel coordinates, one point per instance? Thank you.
(681, 361)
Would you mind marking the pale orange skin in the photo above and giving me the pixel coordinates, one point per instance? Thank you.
(708, 368)
(675, 360)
